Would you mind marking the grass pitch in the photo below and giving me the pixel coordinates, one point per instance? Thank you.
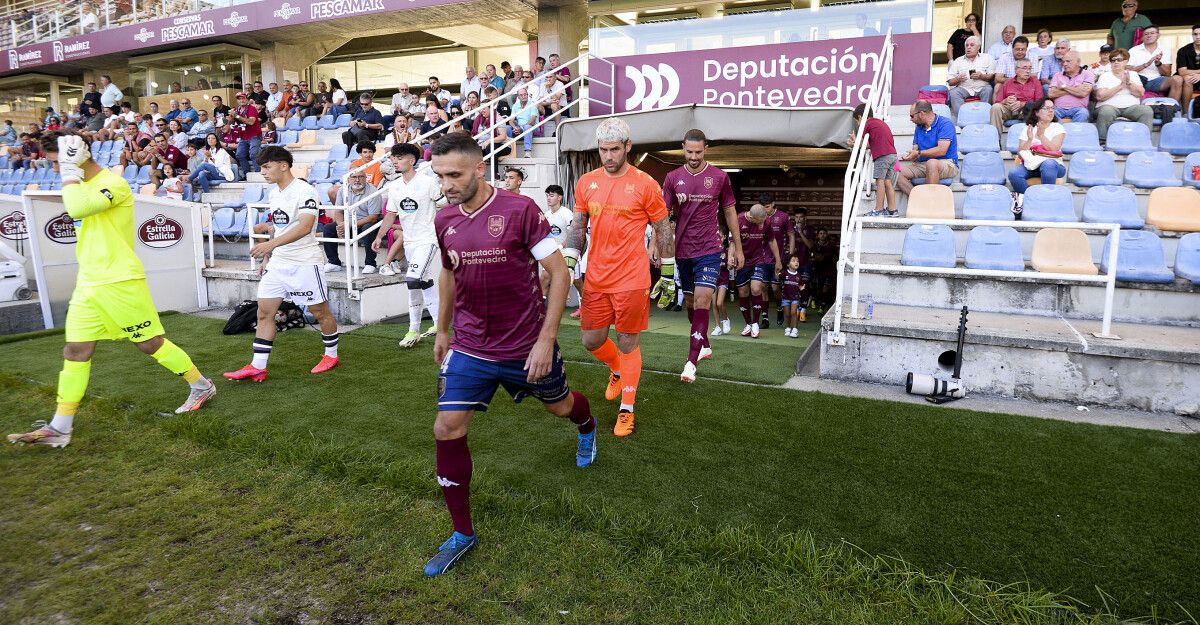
(311, 499)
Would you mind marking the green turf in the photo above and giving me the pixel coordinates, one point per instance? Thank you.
(315, 496)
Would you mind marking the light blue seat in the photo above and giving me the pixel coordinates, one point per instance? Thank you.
(337, 152)
(323, 192)
(112, 145)
(1111, 204)
(1187, 258)
(978, 138)
(981, 167)
(319, 172)
(339, 169)
(187, 193)
(1151, 102)
(327, 122)
(988, 201)
(252, 194)
(310, 123)
(941, 110)
(1090, 169)
(1139, 259)
(293, 123)
(929, 246)
(289, 136)
(1150, 170)
(143, 175)
(1128, 137)
(222, 221)
(39, 175)
(935, 89)
(240, 219)
(1081, 137)
(1012, 139)
(27, 175)
(1189, 168)
(1179, 137)
(974, 113)
(994, 247)
(1049, 202)
(343, 121)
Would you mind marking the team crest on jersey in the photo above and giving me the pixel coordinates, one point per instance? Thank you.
(279, 217)
(708, 182)
(496, 225)
(629, 188)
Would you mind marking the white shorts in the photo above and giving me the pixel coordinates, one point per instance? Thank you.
(302, 284)
(421, 259)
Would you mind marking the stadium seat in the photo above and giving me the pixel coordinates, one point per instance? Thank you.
(187, 193)
(3, 161)
(1180, 137)
(1150, 170)
(988, 201)
(288, 136)
(1081, 137)
(293, 123)
(978, 138)
(222, 220)
(929, 246)
(1090, 169)
(994, 247)
(342, 121)
(33, 186)
(337, 152)
(930, 201)
(944, 181)
(1191, 170)
(1049, 202)
(941, 110)
(26, 175)
(1174, 208)
(1139, 258)
(982, 167)
(974, 113)
(1128, 137)
(339, 169)
(143, 175)
(1187, 258)
(1057, 250)
(312, 122)
(306, 138)
(323, 192)
(327, 122)
(1159, 100)
(318, 172)
(280, 122)
(147, 189)
(39, 175)
(300, 170)
(1111, 204)
(252, 194)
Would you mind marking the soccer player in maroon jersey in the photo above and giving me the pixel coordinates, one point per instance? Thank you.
(762, 259)
(492, 242)
(719, 312)
(696, 194)
(780, 225)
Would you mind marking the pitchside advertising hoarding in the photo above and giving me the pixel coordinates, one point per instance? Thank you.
(204, 24)
(809, 74)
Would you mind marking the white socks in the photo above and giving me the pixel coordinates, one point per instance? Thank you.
(62, 423)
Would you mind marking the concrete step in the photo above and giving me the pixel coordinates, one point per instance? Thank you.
(17, 317)
(959, 191)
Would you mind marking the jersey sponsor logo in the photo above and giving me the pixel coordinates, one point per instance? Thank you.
(408, 205)
(14, 227)
(653, 87)
(187, 27)
(160, 232)
(453, 254)
(279, 217)
(300, 293)
(61, 229)
(135, 331)
(496, 225)
(338, 8)
(629, 188)
(681, 198)
(310, 203)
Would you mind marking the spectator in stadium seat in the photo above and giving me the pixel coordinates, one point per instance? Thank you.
(366, 154)
(274, 95)
(1015, 97)
(970, 76)
(1126, 28)
(365, 215)
(338, 101)
(1119, 94)
(470, 84)
(1104, 64)
(539, 68)
(127, 114)
(175, 88)
(247, 131)
(1147, 59)
(8, 134)
(524, 117)
(367, 124)
(470, 107)
(220, 111)
(882, 147)
(506, 71)
(172, 112)
(306, 101)
(956, 45)
(291, 102)
(1187, 66)
(110, 95)
(490, 78)
(1071, 88)
(153, 112)
(1006, 66)
(26, 154)
(195, 158)
(1040, 149)
(562, 74)
(514, 80)
(270, 134)
(172, 184)
(1004, 46)
(401, 132)
(502, 107)
(203, 85)
(258, 96)
(1053, 64)
(175, 134)
(553, 96)
(188, 115)
(400, 100)
(1044, 48)
(435, 87)
(91, 96)
(217, 165)
(200, 129)
(934, 153)
(165, 153)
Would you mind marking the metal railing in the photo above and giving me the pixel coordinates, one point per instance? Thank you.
(1108, 279)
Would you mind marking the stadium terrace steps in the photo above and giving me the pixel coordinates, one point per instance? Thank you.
(1154, 368)
(21, 316)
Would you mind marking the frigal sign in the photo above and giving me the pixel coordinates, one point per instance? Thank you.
(160, 231)
(13, 227)
(61, 229)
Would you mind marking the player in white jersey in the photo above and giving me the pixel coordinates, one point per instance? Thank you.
(292, 263)
(412, 202)
(560, 218)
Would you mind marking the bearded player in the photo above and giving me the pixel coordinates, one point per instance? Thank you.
(617, 201)
(697, 194)
(492, 242)
(763, 260)
(111, 300)
(781, 228)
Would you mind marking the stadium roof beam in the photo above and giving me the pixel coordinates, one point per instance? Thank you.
(482, 35)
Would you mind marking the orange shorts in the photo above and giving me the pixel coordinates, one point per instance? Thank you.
(628, 310)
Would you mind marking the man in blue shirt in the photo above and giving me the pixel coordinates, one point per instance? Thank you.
(187, 115)
(524, 117)
(934, 154)
(367, 124)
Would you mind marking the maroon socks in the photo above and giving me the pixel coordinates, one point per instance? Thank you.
(699, 336)
(744, 304)
(581, 413)
(454, 476)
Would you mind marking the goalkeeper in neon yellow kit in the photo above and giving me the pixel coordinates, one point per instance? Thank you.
(111, 299)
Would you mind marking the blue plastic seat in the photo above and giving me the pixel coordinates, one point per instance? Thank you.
(319, 172)
(1081, 137)
(929, 246)
(289, 136)
(1189, 167)
(222, 221)
(1187, 258)
(1150, 170)
(1111, 204)
(974, 113)
(339, 169)
(1179, 137)
(323, 192)
(310, 123)
(935, 89)
(240, 217)
(131, 173)
(337, 152)
(293, 123)
(994, 247)
(343, 121)
(1152, 102)
(143, 175)
(988, 201)
(941, 110)
(1139, 259)
(978, 138)
(1049, 202)
(39, 175)
(1128, 137)
(1090, 169)
(982, 167)
(112, 145)
(27, 175)
(252, 194)
(327, 122)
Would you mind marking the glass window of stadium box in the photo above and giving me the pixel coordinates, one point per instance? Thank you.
(200, 70)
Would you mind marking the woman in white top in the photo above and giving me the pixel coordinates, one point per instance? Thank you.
(1044, 48)
(337, 99)
(178, 137)
(217, 165)
(1119, 94)
(1040, 148)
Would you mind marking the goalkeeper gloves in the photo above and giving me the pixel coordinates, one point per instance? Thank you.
(665, 289)
(72, 154)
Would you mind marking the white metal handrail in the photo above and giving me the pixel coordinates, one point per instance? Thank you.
(1108, 279)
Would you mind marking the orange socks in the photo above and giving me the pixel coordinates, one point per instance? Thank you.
(608, 354)
(631, 373)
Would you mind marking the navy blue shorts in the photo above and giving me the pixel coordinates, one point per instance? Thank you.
(701, 271)
(764, 273)
(467, 382)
